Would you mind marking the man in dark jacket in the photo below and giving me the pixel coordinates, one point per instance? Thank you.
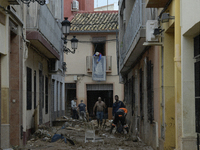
(118, 104)
(120, 115)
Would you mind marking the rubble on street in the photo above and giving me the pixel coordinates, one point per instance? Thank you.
(76, 134)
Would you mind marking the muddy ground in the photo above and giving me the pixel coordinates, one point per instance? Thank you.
(77, 131)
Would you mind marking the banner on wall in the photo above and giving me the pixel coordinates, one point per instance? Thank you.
(99, 69)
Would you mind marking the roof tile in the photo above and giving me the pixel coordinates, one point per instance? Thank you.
(95, 21)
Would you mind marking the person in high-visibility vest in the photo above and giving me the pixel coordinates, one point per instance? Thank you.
(120, 115)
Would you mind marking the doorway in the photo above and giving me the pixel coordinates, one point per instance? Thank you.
(70, 94)
(92, 97)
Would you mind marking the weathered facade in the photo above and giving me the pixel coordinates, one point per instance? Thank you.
(43, 66)
(96, 32)
(11, 52)
(147, 71)
(32, 71)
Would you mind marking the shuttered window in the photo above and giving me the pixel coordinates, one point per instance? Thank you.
(197, 95)
(35, 93)
(197, 81)
(46, 95)
(150, 102)
(141, 94)
(29, 88)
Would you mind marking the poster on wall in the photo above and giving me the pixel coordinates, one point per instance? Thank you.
(99, 68)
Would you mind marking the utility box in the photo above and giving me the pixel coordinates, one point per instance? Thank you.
(150, 26)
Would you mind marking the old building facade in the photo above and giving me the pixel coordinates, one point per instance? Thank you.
(32, 72)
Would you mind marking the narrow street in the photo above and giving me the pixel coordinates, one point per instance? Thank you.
(77, 132)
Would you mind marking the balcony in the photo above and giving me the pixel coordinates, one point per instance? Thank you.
(43, 31)
(156, 3)
(89, 63)
(131, 46)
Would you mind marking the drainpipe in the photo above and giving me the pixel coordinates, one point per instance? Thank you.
(177, 62)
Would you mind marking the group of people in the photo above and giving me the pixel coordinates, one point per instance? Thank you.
(81, 109)
(119, 112)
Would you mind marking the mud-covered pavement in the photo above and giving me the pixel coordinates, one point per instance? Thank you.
(79, 133)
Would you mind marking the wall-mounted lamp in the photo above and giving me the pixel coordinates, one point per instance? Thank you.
(74, 42)
(166, 17)
(27, 2)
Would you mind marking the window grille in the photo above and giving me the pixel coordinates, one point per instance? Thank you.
(46, 95)
(197, 95)
(141, 94)
(150, 102)
(29, 88)
(35, 93)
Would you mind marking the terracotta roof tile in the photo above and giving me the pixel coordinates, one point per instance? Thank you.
(95, 21)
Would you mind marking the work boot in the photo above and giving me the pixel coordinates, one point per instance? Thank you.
(112, 127)
(127, 130)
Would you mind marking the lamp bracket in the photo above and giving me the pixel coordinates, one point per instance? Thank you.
(27, 2)
(67, 50)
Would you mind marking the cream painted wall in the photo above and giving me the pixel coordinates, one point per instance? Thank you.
(190, 15)
(76, 65)
(33, 62)
(190, 21)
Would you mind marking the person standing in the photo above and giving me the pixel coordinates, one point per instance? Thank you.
(82, 110)
(118, 104)
(99, 112)
(74, 108)
(120, 115)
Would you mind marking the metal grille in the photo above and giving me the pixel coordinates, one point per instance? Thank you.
(197, 95)
(46, 95)
(133, 94)
(98, 87)
(141, 94)
(150, 102)
(29, 88)
(35, 89)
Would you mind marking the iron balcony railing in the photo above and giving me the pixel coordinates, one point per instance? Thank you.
(40, 18)
(89, 63)
(139, 15)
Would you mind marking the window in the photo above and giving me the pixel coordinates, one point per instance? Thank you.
(99, 45)
(141, 94)
(133, 94)
(150, 102)
(29, 88)
(46, 95)
(197, 81)
(35, 93)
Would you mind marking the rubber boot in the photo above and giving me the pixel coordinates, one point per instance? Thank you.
(111, 129)
(98, 122)
(127, 130)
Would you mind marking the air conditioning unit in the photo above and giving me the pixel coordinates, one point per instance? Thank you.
(75, 5)
(75, 78)
(151, 25)
(14, 2)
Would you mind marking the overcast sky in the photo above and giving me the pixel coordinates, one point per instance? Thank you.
(99, 3)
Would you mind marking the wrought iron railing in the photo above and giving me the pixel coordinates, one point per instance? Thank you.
(40, 18)
(139, 15)
(89, 63)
